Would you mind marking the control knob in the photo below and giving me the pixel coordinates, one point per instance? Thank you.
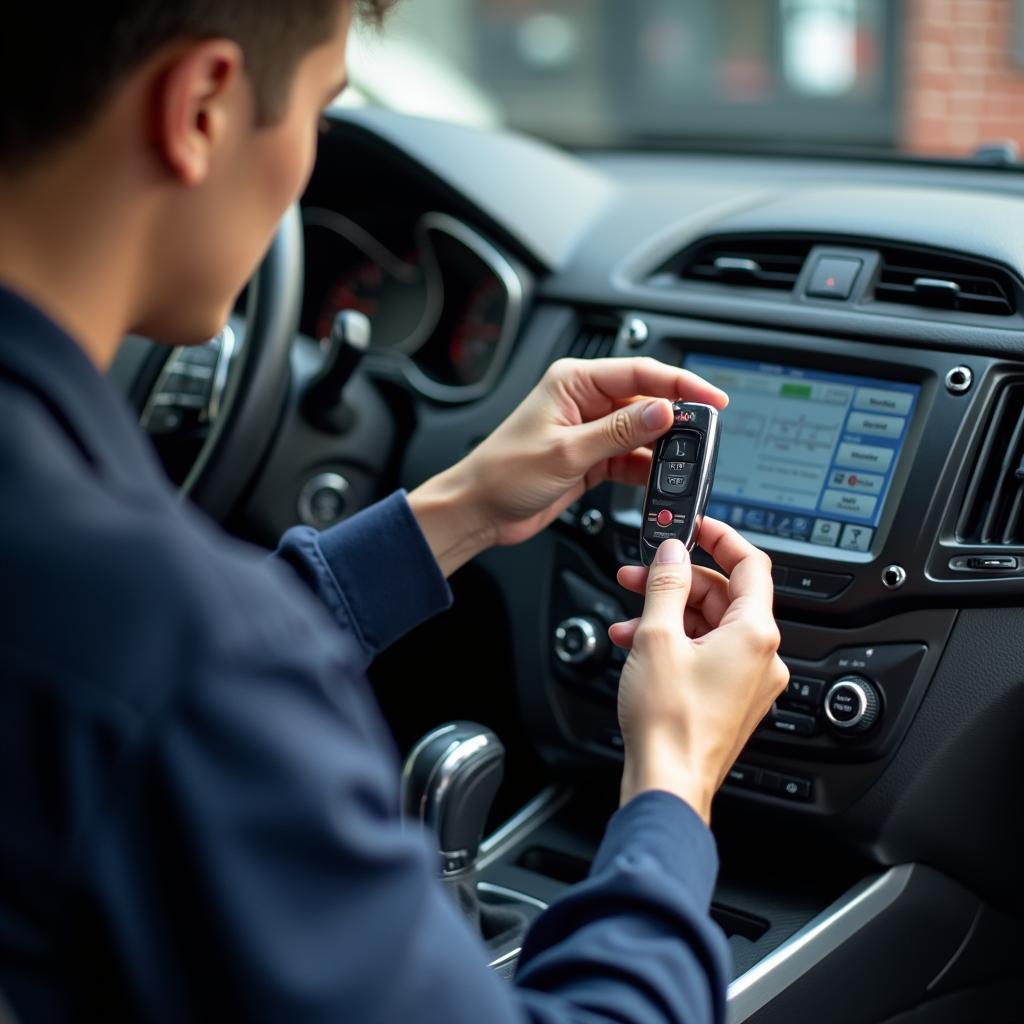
(852, 704)
(578, 639)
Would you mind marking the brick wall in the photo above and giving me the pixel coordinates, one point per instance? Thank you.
(963, 84)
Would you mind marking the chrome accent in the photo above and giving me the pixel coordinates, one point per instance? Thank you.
(959, 380)
(768, 978)
(544, 806)
(436, 789)
(410, 761)
(893, 577)
(703, 494)
(512, 894)
(592, 521)
(515, 293)
(516, 897)
(226, 352)
(634, 332)
(325, 481)
(589, 640)
(851, 683)
(503, 959)
(226, 345)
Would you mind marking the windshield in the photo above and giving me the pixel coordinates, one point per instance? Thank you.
(927, 77)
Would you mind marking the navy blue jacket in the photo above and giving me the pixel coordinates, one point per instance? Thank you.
(198, 797)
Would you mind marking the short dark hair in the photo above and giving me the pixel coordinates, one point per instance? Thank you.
(61, 59)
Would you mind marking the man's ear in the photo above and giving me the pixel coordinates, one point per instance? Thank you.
(198, 91)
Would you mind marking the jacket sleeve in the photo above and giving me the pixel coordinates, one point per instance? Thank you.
(252, 866)
(375, 572)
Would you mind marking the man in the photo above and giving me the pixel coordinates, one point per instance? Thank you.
(198, 800)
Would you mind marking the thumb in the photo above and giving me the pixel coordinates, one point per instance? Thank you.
(626, 429)
(668, 586)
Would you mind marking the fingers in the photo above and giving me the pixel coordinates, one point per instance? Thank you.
(624, 378)
(709, 591)
(668, 587)
(624, 430)
(622, 634)
(749, 569)
(632, 469)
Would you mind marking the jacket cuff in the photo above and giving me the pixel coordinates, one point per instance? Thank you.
(668, 829)
(375, 571)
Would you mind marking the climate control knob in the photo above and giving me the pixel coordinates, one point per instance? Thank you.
(578, 639)
(852, 704)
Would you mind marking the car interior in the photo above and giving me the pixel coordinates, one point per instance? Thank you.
(866, 317)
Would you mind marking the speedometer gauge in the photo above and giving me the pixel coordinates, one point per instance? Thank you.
(348, 267)
(395, 307)
(476, 335)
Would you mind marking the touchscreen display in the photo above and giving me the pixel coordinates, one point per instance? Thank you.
(805, 454)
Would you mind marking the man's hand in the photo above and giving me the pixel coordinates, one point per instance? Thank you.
(587, 421)
(702, 669)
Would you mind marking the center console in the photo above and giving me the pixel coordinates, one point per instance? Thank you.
(849, 463)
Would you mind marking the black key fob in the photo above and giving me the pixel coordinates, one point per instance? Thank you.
(682, 470)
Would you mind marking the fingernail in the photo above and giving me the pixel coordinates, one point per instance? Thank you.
(652, 416)
(671, 552)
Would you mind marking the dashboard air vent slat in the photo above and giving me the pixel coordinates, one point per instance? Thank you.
(752, 262)
(945, 282)
(594, 341)
(994, 503)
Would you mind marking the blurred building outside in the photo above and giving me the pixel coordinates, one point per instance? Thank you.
(929, 77)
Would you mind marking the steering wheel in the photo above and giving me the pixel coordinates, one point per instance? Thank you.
(249, 407)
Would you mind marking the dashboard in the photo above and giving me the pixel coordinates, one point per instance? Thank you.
(867, 320)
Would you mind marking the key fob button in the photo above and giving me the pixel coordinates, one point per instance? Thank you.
(676, 485)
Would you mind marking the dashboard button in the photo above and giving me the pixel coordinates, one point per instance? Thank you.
(817, 584)
(826, 531)
(883, 400)
(796, 788)
(856, 538)
(848, 503)
(865, 456)
(876, 425)
(804, 691)
(780, 575)
(792, 723)
(770, 782)
(833, 278)
(744, 775)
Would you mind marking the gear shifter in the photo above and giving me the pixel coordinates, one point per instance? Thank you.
(448, 783)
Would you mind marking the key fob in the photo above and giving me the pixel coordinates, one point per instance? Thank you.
(682, 470)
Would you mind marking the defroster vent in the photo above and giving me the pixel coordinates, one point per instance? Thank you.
(993, 510)
(595, 339)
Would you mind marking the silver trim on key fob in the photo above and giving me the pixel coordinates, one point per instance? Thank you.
(706, 474)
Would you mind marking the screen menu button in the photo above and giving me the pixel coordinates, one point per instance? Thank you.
(848, 503)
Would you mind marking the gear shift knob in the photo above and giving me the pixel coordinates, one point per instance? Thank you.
(448, 783)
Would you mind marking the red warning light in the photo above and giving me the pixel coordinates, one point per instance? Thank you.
(830, 282)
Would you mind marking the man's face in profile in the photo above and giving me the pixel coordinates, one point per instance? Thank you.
(217, 231)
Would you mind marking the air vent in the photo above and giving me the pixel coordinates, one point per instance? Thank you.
(595, 340)
(993, 506)
(945, 282)
(751, 262)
